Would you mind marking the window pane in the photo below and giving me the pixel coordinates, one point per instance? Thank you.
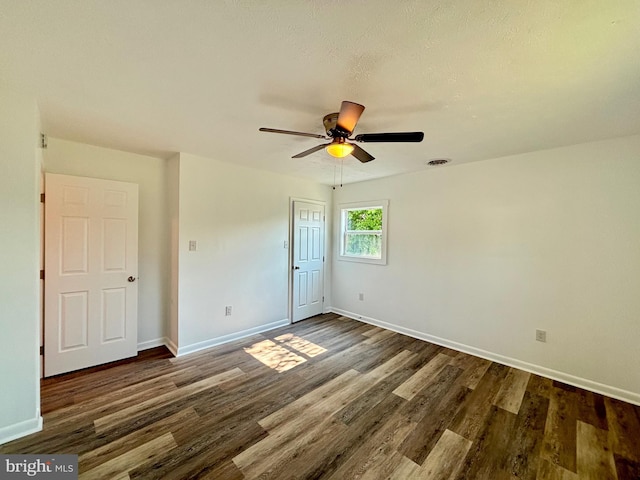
(362, 236)
(365, 245)
(366, 219)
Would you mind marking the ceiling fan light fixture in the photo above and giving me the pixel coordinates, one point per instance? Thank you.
(339, 149)
(339, 127)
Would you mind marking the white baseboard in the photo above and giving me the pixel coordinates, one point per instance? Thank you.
(230, 338)
(173, 348)
(21, 429)
(158, 342)
(564, 377)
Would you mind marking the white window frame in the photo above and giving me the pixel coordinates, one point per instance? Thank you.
(342, 209)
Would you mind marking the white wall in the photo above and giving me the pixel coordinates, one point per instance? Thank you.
(239, 218)
(78, 159)
(483, 254)
(19, 261)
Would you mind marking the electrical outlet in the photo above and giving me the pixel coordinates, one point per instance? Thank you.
(541, 335)
(193, 245)
(227, 310)
(361, 296)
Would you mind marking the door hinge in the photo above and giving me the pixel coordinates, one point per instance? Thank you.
(41, 274)
(43, 140)
(42, 350)
(323, 298)
(42, 198)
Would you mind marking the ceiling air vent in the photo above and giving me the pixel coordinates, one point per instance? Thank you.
(438, 161)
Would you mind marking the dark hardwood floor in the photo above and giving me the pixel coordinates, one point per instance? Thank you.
(331, 398)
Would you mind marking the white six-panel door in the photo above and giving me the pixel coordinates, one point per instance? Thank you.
(307, 259)
(91, 270)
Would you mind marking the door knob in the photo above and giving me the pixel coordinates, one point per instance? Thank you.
(296, 267)
(131, 279)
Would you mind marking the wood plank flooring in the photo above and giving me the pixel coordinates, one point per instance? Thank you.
(331, 398)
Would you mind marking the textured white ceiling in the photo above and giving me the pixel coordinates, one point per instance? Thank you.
(481, 78)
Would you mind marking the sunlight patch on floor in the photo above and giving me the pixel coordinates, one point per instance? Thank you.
(281, 356)
(301, 345)
(274, 356)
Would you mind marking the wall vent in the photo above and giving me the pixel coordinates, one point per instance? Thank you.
(438, 161)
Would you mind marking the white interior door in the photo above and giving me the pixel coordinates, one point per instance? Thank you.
(307, 260)
(91, 270)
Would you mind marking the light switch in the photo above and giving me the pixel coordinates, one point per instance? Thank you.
(192, 245)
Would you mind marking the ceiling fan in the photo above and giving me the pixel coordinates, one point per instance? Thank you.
(339, 127)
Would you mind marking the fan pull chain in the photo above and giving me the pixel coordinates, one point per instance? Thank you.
(335, 167)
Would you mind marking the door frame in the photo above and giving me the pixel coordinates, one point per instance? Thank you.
(325, 253)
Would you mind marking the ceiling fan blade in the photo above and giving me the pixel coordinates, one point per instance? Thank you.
(361, 155)
(310, 151)
(349, 115)
(390, 137)
(289, 132)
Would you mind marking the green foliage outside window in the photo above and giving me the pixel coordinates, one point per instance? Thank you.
(363, 233)
(369, 219)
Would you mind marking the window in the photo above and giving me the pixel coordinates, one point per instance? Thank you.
(363, 232)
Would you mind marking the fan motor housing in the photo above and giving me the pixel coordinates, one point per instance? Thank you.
(330, 121)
